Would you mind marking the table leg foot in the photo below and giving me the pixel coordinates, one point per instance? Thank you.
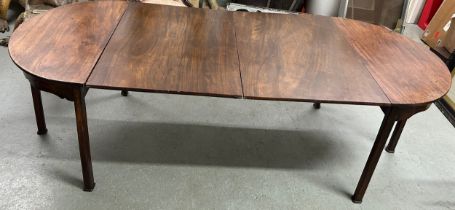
(39, 112)
(41, 132)
(89, 188)
(356, 201)
(124, 93)
(395, 136)
(389, 151)
(83, 137)
(317, 105)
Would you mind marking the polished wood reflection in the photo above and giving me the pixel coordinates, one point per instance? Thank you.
(65, 43)
(408, 72)
(171, 49)
(291, 57)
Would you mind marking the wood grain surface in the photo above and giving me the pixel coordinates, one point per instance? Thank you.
(171, 49)
(408, 72)
(258, 56)
(65, 43)
(303, 58)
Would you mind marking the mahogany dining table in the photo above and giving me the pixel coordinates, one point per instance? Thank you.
(131, 46)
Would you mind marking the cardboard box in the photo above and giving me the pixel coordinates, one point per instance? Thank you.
(449, 41)
(437, 30)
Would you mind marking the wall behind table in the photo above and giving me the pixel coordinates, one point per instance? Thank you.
(380, 12)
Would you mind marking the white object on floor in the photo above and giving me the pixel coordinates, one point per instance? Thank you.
(343, 8)
(241, 7)
(177, 3)
(323, 7)
(414, 10)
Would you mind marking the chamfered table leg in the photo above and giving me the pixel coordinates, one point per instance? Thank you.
(83, 137)
(395, 136)
(124, 93)
(317, 105)
(39, 112)
(375, 154)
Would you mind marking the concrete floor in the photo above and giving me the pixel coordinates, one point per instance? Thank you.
(414, 32)
(155, 151)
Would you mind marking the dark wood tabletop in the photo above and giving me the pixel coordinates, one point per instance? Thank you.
(303, 58)
(171, 49)
(408, 72)
(217, 53)
(64, 44)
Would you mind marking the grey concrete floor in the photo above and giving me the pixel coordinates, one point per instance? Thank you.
(155, 151)
(413, 32)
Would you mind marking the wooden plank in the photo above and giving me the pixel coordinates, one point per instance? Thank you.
(408, 72)
(170, 49)
(301, 58)
(64, 44)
